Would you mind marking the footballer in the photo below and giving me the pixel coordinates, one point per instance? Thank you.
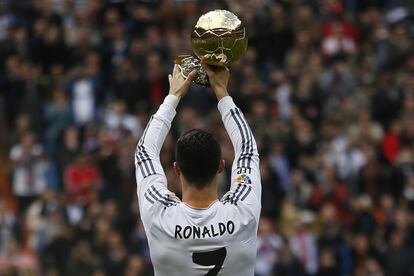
(199, 234)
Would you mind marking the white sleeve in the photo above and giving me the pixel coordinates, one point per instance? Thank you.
(245, 169)
(151, 180)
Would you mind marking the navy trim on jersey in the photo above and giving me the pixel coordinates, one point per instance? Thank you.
(166, 204)
(224, 200)
(247, 193)
(166, 198)
(157, 196)
(139, 162)
(232, 111)
(246, 154)
(231, 200)
(149, 199)
(144, 154)
(230, 195)
(247, 141)
(240, 194)
(249, 151)
(144, 161)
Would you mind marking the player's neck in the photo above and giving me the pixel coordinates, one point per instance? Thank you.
(197, 198)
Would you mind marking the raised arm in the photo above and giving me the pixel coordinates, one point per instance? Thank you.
(245, 169)
(147, 160)
(150, 176)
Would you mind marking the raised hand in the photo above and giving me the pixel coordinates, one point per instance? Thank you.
(219, 79)
(178, 84)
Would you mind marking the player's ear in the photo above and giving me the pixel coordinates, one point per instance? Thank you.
(177, 170)
(221, 166)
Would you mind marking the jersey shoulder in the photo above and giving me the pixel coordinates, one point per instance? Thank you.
(160, 197)
(237, 195)
(243, 198)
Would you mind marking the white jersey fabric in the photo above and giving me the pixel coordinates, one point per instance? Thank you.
(218, 240)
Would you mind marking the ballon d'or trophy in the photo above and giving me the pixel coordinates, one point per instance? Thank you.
(220, 38)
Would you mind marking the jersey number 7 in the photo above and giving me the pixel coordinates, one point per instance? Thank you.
(208, 258)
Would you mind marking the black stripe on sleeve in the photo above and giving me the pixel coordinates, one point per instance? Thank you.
(249, 149)
(166, 204)
(241, 192)
(139, 162)
(246, 194)
(240, 161)
(149, 160)
(231, 197)
(149, 199)
(166, 198)
(145, 159)
(234, 194)
(142, 155)
(226, 199)
(142, 162)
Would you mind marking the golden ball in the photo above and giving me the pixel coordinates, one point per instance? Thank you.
(219, 37)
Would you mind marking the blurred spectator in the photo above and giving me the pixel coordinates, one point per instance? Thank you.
(44, 220)
(391, 144)
(409, 192)
(85, 91)
(364, 219)
(398, 256)
(15, 260)
(107, 162)
(135, 266)
(69, 149)
(82, 179)
(81, 260)
(30, 168)
(56, 251)
(337, 42)
(303, 243)
(117, 118)
(279, 163)
(269, 243)
(8, 225)
(270, 189)
(328, 264)
(57, 116)
(299, 191)
(115, 257)
(370, 267)
(288, 264)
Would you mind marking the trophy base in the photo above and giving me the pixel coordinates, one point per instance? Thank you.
(187, 64)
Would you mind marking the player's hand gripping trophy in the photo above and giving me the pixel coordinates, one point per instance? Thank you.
(219, 39)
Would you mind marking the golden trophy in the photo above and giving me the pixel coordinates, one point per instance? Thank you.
(219, 37)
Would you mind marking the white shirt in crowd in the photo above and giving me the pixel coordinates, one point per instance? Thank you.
(29, 177)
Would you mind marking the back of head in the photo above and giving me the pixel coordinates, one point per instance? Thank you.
(198, 154)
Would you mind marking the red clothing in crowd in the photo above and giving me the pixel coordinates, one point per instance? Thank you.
(156, 93)
(346, 28)
(337, 9)
(391, 147)
(81, 182)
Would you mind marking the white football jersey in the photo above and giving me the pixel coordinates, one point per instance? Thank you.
(218, 240)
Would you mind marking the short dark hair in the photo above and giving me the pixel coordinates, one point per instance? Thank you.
(198, 154)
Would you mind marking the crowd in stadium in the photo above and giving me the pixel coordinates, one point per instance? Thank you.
(327, 87)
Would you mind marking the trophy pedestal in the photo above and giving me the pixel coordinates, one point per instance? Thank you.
(187, 64)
